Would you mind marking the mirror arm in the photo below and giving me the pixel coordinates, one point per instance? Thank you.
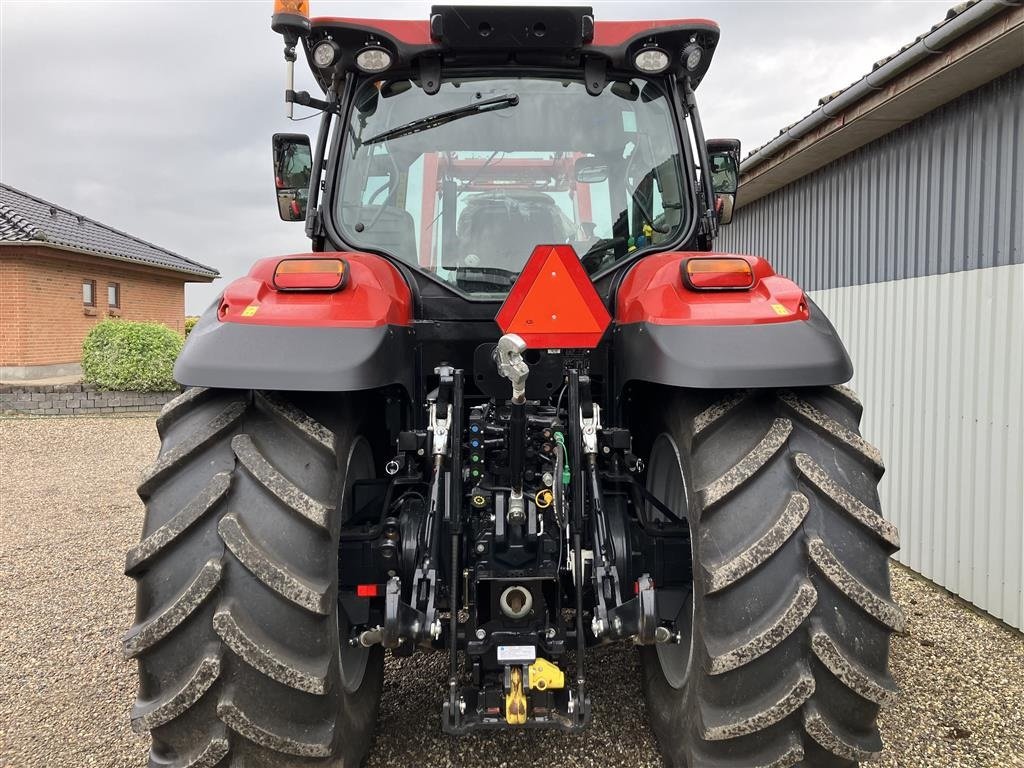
(710, 216)
(303, 99)
(314, 224)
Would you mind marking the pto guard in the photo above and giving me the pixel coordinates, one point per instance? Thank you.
(771, 335)
(256, 337)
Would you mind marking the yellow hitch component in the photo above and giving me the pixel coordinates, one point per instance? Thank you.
(545, 675)
(515, 699)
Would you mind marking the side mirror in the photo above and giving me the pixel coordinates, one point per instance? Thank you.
(591, 170)
(293, 166)
(724, 155)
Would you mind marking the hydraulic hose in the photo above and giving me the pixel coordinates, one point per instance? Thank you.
(454, 611)
(603, 540)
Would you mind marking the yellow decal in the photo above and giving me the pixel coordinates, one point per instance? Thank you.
(780, 310)
(250, 310)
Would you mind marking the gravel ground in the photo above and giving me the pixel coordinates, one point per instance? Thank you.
(69, 512)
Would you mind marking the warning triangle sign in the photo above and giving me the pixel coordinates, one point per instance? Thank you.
(553, 303)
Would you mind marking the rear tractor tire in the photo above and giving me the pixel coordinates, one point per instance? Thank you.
(238, 635)
(783, 658)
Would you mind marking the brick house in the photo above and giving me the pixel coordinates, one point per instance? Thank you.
(61, 273)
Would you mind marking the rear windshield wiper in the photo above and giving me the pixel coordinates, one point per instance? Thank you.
(432, 121)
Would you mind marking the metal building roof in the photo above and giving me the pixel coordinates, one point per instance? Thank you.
(951, 14)
(976, 42)
(25, 218)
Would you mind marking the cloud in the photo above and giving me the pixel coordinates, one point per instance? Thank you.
(155, 117)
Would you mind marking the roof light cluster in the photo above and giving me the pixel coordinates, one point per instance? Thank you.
(371, 59)
(652, 59)
(477, 32)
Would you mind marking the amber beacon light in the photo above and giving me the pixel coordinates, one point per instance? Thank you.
(291, 17)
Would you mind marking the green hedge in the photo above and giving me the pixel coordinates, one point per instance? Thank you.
(127, 356)
(190, 323)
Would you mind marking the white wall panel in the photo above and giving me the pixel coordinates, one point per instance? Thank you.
(939, 363)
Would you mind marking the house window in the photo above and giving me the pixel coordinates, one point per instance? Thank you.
(114, 295)
(89, 293)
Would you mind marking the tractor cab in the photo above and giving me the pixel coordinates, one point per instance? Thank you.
(458, 144)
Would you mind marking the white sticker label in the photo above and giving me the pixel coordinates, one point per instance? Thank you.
(517, 654)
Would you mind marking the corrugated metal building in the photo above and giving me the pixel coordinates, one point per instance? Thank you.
(899, 205)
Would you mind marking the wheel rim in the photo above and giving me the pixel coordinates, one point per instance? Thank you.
(665, 479)
(352, 659)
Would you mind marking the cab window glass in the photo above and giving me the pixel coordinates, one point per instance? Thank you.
(469, 199)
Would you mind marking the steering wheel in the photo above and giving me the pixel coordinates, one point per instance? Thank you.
(592, 259)
(374, 196)
(386, 187)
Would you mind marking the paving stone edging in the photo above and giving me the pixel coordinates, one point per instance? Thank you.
(75, 400)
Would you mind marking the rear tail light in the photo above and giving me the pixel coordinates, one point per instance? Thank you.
(311, 275)
(368, 590)
(718, 274)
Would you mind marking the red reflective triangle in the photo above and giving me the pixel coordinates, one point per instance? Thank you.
(553, 304)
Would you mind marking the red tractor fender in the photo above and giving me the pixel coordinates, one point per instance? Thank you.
(258, 337)
(770, 335)
(654, 292)
(374, 295)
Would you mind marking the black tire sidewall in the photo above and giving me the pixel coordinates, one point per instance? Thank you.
(357, 715)
(669, 707)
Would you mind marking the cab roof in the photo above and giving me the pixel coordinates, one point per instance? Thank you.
(505, 37)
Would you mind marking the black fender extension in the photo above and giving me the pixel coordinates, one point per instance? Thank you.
(799, 353)
(297, 358)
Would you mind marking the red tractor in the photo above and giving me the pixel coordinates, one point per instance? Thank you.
(511, 406)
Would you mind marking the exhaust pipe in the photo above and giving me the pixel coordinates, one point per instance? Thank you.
(516, 602)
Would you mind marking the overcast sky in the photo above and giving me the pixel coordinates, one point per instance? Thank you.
(155, 117)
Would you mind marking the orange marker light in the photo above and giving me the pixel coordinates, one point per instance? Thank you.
(311, 275)
(728, 274)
